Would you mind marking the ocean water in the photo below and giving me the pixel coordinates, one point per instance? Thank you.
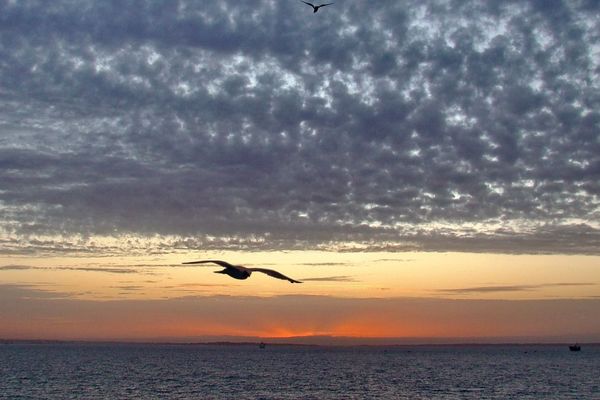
(118, 371)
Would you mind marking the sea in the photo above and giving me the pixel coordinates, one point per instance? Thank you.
(229, 371)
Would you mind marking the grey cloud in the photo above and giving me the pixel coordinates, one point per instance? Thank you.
(240, 127)
(128, 288)
(323, 264)
(107, 269)
(12, 292)
(195, 285)
(509, 288)
(15, 267)
(111, 270)
(330, 279)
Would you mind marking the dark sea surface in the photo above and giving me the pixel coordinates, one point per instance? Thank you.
(132, 371)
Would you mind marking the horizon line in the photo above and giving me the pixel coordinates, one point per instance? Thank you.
(315, 341)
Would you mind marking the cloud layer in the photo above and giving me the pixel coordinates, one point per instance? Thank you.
(467, 126)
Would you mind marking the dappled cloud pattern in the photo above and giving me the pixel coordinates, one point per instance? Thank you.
(463, 126)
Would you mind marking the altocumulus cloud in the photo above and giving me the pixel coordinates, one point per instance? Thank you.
(468, 126)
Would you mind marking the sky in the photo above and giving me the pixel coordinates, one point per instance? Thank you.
(429, 169)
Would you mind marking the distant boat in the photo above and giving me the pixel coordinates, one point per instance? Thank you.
(262, 345)
(575, 347)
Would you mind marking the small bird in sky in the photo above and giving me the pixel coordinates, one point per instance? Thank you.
(241, 272)
(316, 8)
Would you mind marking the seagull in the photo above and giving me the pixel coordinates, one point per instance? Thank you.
(316, 8)
(241, 272)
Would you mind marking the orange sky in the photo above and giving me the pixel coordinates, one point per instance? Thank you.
(398, 295)
(288, 316)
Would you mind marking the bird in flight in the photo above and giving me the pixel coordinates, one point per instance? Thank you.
(241, 272)
(316, 8)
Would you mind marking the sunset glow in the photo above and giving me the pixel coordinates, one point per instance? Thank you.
(369, 295)
(430, 171)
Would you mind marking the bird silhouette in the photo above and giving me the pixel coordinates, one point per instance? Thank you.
(241, 272)
(316, 8)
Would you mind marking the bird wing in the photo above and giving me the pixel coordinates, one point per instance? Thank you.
(310, 4)
(223, 264)
(274, 274)
(328, 4)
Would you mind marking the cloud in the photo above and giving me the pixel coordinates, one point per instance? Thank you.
(107, 269)
(111, 270)
(510, 288)
(468, 127)
(128, 288)
(12, 293)
(324, 264)
(15, 267)
(186, 286)
(330, 279)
